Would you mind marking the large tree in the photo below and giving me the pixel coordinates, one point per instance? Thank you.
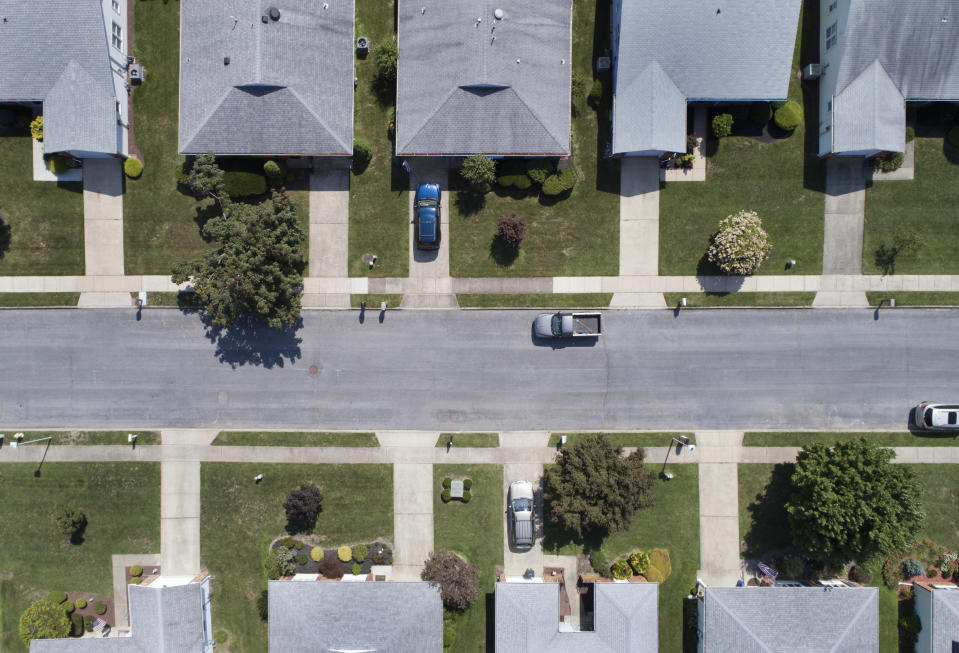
(594, 488)
(255, 266)
(43, 620)
(850, 503)
(457, 579)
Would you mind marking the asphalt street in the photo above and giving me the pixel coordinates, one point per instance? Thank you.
(474, 370)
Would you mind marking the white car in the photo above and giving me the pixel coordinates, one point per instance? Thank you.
(521, 514)
(937, 417)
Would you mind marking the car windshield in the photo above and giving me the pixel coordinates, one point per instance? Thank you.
(928, 416)
(952, 417)
(557, 325)
(427, 201)
(522, 505)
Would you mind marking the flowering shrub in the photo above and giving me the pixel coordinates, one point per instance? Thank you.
(621, 569)
(741, 245)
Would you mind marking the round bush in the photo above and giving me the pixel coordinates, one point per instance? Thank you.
(539, 169)
(912, 567)
(510, 230)
(447, 482)
(788, 116)
(100, 607)
(760, 113)
(344, 553)
(659, 560)
(722, 125)
(43, 620)
(80, 603)
(953, 136)
(621, 570)
(467, 484)
(362, 154)
(892, 162)
(36, 129)
(639, 561)
(356, 569)
(445, 496)
(932, 572)
(553, 186)
(274, 173)
(241, 183)
(288, 542)
(467, 496)
(57, 164)
(316, 553)
(298, 545)
(567, 177)
(68, 607)
(135, 581)
(56, 597)
(330, 568)
(741, 245)
(654, 575)
(910, 134)
(136, 570)
(302, 559)
(523, 182)
(133, 167)
(360, 551)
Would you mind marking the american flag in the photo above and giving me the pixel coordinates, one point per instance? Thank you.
(766, 571)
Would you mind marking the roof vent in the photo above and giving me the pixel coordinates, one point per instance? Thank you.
(265, 18)
(498, 14)
(226, 61)
(274, 13)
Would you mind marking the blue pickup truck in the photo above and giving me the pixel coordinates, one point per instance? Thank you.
(426, 206)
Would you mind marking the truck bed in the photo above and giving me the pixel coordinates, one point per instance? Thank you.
(587, 324)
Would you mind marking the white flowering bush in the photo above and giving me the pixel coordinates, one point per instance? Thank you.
(741, 245)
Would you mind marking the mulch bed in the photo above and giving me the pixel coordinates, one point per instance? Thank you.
(312, 567)
(148, 570)
(109, 616)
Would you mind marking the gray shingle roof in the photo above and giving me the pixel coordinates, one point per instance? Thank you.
(869, 114)
(791, 620)
(288, 89)
(55, 51)
(321, 616)
(625, 619)
(740, 53)
(460, 89)
(162, 620)
(945, 627)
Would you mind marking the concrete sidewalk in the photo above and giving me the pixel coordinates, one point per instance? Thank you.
(412, 519)
(639, 216)
(845, 207)
(103, 216)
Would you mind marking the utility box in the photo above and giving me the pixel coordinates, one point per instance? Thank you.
(811, 71)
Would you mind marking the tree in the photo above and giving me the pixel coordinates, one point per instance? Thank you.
(70, 522)
(279, 563)
(302, 507)
(43, 620)
(593, 488)
(741, 245)
(511, 229)
(850, 503)
(205, 178)
(480, 171)
(457, 579)
(255, 267)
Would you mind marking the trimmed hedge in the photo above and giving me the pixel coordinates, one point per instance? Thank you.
(55, 597)
(445, 496)
(521, 182)
(57, 164)
(80, 603)
(910, 134)
(447, 482)
(240, 183)
(88, 623)
(539, 169)
(468, 484)
(344, 553)
(316, 553)
(466, 496)
(659, 560)
(953, 136)
(76, 625)
(892, 162)
(356, 569)
(275, 172)
(760, 113)
(100, 607)
(362, 154)
(136, 570)
(288, 542)
(360, 551)
(788, 116)
(722, 125)
(133, 167)
(68, 607)
(135, 581)
(298, 545)
(36, 129)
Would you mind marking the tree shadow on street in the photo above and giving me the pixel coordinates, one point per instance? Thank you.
(251, 342)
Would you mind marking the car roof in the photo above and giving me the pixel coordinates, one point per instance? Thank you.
(940, 415)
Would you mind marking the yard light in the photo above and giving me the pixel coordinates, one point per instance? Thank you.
(132, 439)
(681, 442)
(20, 443)
(258, 478)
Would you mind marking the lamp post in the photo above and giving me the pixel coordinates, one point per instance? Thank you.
(681, 442)
(48, 439)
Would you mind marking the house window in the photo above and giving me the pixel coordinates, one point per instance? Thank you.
(829, 105)
(116, 7)
(832, 35)
(833, 5)
(117, 37)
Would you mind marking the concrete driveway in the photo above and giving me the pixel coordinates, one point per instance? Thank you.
(517, 561)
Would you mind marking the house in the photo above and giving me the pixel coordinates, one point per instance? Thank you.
(876, 55)
(167, 615)
(833, 619)
(937, 605)
(668, 54)
(625, 619)
(266, 77)
(68, 60)
(400, 617)
(483, 78)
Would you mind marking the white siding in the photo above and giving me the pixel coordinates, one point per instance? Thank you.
(118, 63)
(829, 59)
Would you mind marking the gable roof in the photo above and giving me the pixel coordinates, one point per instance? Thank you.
(288, 87)
(394, 617)
(625, 619)
(468, 82)
(945, 620)
(162, 619)
(869, 114)
(791, 619)
(56, 52)
(736, 53)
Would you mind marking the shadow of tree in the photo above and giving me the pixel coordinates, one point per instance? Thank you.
(501, 252)
(769, 528)
(263, 605)
(468, 203)
(250, 342)
(6, 236)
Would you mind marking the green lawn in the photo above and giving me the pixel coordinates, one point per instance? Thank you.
(741, 299)
(379, 200)
(295, 439)
(939, 500)
(763, 491)
(672, 524)
(240, 518)
(799, 439)
(578, 235)
(475, 531)
(93, 437)
(623, 439)
(122, 505)
(915, 298)
(373, 301)
(545, 300)
(42, 233)
(925, 206)
(170, 299)
(469, 439)
(32, 299)
(778, 180)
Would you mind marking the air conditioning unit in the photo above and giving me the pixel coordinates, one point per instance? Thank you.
(812, 71)
(602, 64)
(136, 73)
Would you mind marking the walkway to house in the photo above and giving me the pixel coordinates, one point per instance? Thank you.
(638, 228)
(103, 228)
(842, 240)
(329, 232)
(718, 510)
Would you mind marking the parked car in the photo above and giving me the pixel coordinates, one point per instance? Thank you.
(520, 512)
(427, 220)
(568, 325)
(937, 417)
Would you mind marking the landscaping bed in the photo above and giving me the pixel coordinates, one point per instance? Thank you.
(363, 555)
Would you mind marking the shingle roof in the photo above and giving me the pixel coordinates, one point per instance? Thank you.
(394, 617)
(162, 620)
(945, 626)
(55, 51)
(869, 114)
(736, 53)
(469, 83)
(625, 619)
(791, 620)
(288, 89)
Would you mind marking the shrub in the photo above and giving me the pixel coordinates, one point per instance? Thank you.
(385, 56)
(910, 134)
(240, 183)
(344, 553)
(788, 116)
(287, 542)
(360, 551)
(778, 104)
(36, 129)
(621, 569)
(510, 230)
(792, 567)
(76, 625)
(56, 597)
(456, 578)
(932, 572)
(302, 508)
(70, 522)
(466, 496)
(447, 482)
(859, 575)
(577, 87)
(552, 186)
(912, 567)
(356, 569)
(330, 568)
(741, 245)
(523, 182)
(892, 162)
(445, 496)
(298, 545)
(57, 164)
(905, 592)
(597, 560)
(43, 620)
(279, 563)
(480, 171)
(275, 172)
(302, 559)
(639, 561)
(379, 554)
(136, 570)
(68, 607)
(100, 607)
(80, 603)
(316, 553)
(722, 125)
(953, 136)
(362, 154)
(760, 113)
(687, 160)
(520, 181)
(88, 623)
(912, 625)
(659, 560)
(891, 573)
(654, 575)
(135, 581)
(467, 484)
(449, 633)
(596, 93)
(133, 167)
(539, 169)
(205, 177)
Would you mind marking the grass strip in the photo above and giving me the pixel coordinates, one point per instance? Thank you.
(38, 299)
(544, 300)
(775, 299)
(294, 439)
(622, 439)
(461, 440)
(892, 439)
